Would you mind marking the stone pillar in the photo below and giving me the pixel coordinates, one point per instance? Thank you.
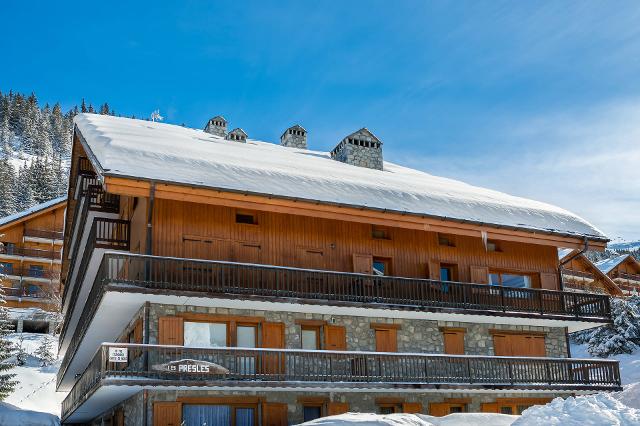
(19, 325)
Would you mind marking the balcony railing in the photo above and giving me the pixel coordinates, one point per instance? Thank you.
(28, 291)
(43, 233)
(629, 277)
(30, 272)
(164, 365)
(580, 274)
(12, 250)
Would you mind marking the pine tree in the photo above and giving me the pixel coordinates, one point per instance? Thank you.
(7, 187)
(44, 352)
(21, 353)
(7, 384)
(83, 106)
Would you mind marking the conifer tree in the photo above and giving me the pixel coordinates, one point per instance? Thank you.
(7, 187)
(44, 352)
(7, 382)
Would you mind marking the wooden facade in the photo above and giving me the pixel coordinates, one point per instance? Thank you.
(31, 257)
(580, 274)
(626, 274)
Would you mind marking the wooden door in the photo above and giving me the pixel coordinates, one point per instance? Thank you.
(171, 331)
(362, 263)
(386, 340)
(167, 413)
(335, 408)
(273, 337)
(335, 338)
(438, 409)
(453, 342)
(489, 407)
(274, 414)
(411, 407)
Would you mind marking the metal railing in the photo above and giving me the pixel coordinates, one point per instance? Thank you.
(29, 272)
(14, 250)
(22, 291)
(43, 233)
(156, 364)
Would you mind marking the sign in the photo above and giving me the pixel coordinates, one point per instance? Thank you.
(118, 355)
(191, 366)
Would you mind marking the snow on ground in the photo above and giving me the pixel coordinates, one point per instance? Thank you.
(368, 419)
(629, 363)
(36, 384)
(11, 415)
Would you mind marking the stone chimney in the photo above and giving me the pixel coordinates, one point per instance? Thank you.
(217, 126)
(237, 135)
(294, 137)
(361, 149)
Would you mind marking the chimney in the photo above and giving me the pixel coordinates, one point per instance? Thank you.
(294, 137)
(217, 126)
(237, 135)
(361, 148)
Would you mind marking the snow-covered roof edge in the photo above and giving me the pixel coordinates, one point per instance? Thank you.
(98, 137)
(607, 265)
(32, 210)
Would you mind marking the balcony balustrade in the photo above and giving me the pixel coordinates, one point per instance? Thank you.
(20, 251)
(43, 234)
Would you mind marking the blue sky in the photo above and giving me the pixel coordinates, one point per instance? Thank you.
(538, 99)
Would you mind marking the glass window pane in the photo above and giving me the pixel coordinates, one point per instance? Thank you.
(244, 416)
(517, 281)
(506, 410)
(455, 409)
(494, 279)
(445, 274)
(311, 413)
(379, 267)
(310, 339)
(199, 415)
(246, 336)
(204, 334)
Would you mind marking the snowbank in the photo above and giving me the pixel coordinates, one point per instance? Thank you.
(629, 363)
(630, 396)
(368, 419)
(10, 415)
(593, 410)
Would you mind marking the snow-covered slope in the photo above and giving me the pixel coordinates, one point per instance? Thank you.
(368, 419)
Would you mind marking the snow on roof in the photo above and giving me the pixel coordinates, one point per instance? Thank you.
(38, 207)
(608, 264)
(563, 252)
(140, 149)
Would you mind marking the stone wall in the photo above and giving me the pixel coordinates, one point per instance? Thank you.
(360, 149)
(421, 336)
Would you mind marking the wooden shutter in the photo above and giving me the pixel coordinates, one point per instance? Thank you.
(479, 274)
(335, 408)
(411, 407)
(362, 263)
(274, 414)
(438, 409)
(549, 281)
(453, 342)
(434, 270)
(167, 413)
(335, 338)
(536, 346)
(489, 407)
(171, 331)
(501, 345)
(387, 340)
(118, 417)
(273, 337)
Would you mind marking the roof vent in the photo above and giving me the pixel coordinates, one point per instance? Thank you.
(361, 148)
(237, 135)
(217, 126)
(294, 137)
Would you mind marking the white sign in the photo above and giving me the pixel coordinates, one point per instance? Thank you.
(118, 355)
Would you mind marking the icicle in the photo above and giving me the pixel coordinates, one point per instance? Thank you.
(485, 240)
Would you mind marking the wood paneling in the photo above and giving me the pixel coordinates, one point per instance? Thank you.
(411, 407)
(167, 413)
(479, 274)
(335, 338)
(489, 407)
(549, 281)
(274, 414)
(438, 409)
(513, 344)
(206, 231)
(171, 331)
(273, 335)
(453, 342)
(335, 408)
(386, 340)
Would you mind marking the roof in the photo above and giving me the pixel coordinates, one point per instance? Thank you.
(129, 148)
(564, 255)
(30, 211)
(564, 252)
(608, 264)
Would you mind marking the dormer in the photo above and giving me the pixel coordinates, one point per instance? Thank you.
(361, 148)
(217, 126)
(294, 137)
(237, 135)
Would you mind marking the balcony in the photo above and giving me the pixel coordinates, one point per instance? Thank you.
(43, 236)
(22, 292)
(27, 253)
(32, 274)
(631, 278)
(154, 365)
(583, 276)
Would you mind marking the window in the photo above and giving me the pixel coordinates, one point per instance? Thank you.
(231, 415)
(510, 280)
(246, 336)
(380, 266)
(310, 338)
(389, 408)
(493, 246)
(246, 218)
(36, 271)
(448, 272)
(311, 412)
(446, 240)
(6, 268)
(456, 408)
(380, 233)
(205, 334)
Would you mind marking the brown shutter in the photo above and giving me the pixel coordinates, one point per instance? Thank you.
(167, 413)
(453, 342)
(438, 409)
(335, 338)
(549, 281)
(536, 346)
(434, 270)
(411, 407)
(479, 274)
(171, 331)
(274, 414)
(273, 335)
(386, 340)
(501, 345)
(489, 407)
(362, 263)
(335, 408)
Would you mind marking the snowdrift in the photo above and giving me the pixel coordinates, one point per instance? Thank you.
(368, 419)
(11, 415)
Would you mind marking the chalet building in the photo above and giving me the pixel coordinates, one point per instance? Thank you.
(30, 259)
(624, 270)
(239, 282)
(581, 274)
